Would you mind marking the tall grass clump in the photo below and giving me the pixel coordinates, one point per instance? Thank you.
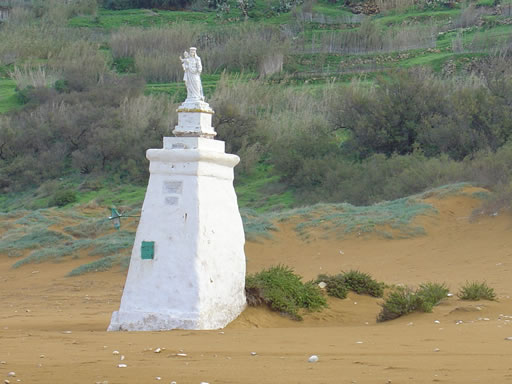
(283, 291)
(241, 48)
(404, 300)
(371, 38)
(26, 76)
(156, 50)
(474, 290)
(392, 5)
(431, 294)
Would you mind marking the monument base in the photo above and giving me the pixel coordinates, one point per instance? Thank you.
(187, 268)
(150, 321)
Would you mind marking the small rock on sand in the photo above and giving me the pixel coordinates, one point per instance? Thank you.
(121, 365)
(508, 338)
(313, 359)
(11, 374)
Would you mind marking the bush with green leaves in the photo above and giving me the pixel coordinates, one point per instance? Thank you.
(400, 301)
(283, 291)
(62, 198)
(403, 300)
(353, 280)
(363, 284)
(431, 294)
(474, 290)
(336, 285)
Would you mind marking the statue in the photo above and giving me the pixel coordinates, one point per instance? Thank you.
(192, 66)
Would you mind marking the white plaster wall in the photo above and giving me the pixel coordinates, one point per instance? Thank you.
(196, 279)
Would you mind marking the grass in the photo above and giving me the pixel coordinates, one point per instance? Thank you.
(108, 19)
(260, 191)
(346, 218)
(103, 264)
(404, 300)
(283, 291)
(8, 98)
(475, 290)
(37, 237)
(417, 15)
(255, 225)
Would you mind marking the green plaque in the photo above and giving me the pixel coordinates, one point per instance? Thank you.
(147, 250)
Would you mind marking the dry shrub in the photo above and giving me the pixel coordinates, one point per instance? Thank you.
(155, 50)
(81, 64)
(313, 17)
(469, 17)
(506, 10)
(34, 77)
(370, 38)
(391, 5)
(245, 47)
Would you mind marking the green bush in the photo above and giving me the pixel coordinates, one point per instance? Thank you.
(283, 291)
(353, 280)
(363, 283)
(404, 300)
(399, 302)
(476, 291)
(431, 295)
(62, 198)
(124, 65)
(336, 285)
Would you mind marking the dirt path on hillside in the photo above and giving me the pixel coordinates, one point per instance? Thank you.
(52, 328)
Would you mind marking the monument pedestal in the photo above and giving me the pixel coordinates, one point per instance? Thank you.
(187, 268)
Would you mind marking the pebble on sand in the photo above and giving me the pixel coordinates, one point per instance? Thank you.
(115, 352)
(313, 359)
(253, 353)
(508, 338)
(11, 374)
(121, 365)
(158, 350)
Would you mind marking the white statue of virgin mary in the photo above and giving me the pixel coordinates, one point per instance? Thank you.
(193, 68)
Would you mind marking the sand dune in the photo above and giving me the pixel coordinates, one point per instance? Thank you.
(52, 327)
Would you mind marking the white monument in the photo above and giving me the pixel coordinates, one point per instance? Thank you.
(187, 268)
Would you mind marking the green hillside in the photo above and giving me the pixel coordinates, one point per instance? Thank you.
(324, 101)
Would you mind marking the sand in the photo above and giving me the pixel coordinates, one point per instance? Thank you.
(52, 327)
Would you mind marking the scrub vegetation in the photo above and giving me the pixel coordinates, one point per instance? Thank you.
(283, 291)
(343, 113)
(474, 290)
(359, 282)
(403, 300)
